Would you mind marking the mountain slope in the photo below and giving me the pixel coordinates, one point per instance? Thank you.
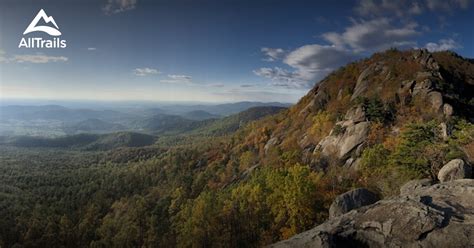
(376, 123)
(164, 123)
(199, 115)
(231, 123)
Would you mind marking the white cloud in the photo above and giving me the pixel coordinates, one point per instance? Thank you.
(242, 94)
(442, 45)
(36, 58)
(398, 8)
(447, 5)
(283, 78)
(402, 8)
(272, 54)
(117, 6)
(182, 79)
(375, 34)
(2, 56)
(309, 63)
(377, 29)
(91, 49)
(309, 60)
(145, 71)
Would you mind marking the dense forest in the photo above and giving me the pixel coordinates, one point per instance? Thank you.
(252, 184)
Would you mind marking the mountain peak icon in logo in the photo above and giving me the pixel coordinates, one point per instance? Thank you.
(47, 19)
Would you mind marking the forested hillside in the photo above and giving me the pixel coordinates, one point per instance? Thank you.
(376, 123)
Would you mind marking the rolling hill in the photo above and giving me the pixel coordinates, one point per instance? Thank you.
(85, 141)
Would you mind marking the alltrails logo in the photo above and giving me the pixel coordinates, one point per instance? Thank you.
(38, 42)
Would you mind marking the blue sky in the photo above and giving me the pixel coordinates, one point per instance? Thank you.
(212, 51)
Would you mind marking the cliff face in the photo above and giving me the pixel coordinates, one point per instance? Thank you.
(441, 215)
(378, 102)
(393, 88)
(374, 124)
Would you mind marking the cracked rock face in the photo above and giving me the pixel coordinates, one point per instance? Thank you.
(363, 82)
(351, 200)
(454, 169)
(441, 215)
(343, 144)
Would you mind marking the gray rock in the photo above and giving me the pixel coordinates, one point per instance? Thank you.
(270, 143)
(353, 136)
(423, 87)
(349, 162)
(320, 99)
(363, 82)
(445, 132)
(454, 169)
(424, 74)
(343, 144)
(425, 59)
(351, 200)
(355, 114)
(339, 95)
(412, 185)
(436, 100)
(404, 93)
(447, 110)
(441, 215)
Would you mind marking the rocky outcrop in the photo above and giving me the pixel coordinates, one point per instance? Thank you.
(355, 114)
(425, 58)
(270, 143)
(412, 185)
(441, 215)
(454, 169)
(447, 110)
(347, 135)
(318, 101)
(351, 200)
(363, 79)
(342, 143)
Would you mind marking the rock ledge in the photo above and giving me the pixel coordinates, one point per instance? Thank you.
(441, 215)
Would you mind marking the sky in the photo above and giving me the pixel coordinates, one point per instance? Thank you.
(212, 51)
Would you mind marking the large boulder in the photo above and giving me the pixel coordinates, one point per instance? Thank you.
(447, 110)
(441, 215)
(436, 100)
(351, 200)
(343, 143)
(454, 169)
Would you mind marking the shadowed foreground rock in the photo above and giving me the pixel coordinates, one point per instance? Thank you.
(351, 200)
(441, 215)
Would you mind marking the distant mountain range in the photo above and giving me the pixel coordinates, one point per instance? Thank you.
(97, 134)
(56, 120)
(199, 115)
(162, 123)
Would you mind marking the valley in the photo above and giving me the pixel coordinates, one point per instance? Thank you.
(233, 176)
